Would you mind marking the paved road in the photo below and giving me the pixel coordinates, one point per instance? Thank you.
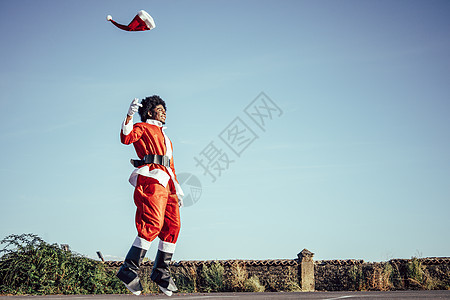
(397, 295)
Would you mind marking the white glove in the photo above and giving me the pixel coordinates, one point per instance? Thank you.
(134, 107)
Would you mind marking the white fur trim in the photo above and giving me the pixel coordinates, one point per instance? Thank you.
(166, 247)
(157, 174)
(169, 151)
(154, 122)
(127, 128)
(141, 243)
(180, 193)
(147, 19)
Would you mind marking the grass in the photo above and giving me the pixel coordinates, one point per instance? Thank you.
(252, 284)
(213, 278)
(419, 277)
(356, 277)
(236, 276)
(186, 279)
(415, 270)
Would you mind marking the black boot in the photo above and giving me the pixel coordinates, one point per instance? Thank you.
(128, 271)
(161, 273)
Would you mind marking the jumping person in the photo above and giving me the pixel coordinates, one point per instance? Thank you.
(157, 194)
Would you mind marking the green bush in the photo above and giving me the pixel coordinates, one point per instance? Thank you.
(356, 277)
(213, 278)
(186, 279)
(29, 265)
(235, 277)
(252, 284)
(415, 270)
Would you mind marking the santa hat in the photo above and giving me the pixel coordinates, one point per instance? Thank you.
(142, 21)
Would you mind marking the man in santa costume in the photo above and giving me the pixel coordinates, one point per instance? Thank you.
(157, 194)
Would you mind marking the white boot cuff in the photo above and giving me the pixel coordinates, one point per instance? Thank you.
(166, 247)
(141, 243)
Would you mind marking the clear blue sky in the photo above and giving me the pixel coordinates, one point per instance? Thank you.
(356, 166)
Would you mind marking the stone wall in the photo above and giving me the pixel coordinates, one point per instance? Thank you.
(326, 275)
(274, 275)
(334, 275)
(396, 274)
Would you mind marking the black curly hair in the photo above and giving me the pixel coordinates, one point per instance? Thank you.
(148, 104)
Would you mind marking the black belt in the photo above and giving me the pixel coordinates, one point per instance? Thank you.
(163, 160)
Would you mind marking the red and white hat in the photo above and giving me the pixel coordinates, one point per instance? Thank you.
(142, 21)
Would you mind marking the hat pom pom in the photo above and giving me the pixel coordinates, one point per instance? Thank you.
(108, 18)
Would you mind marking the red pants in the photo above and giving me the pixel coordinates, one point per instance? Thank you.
(157, 210)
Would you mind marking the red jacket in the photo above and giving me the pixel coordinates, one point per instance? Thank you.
(149, 138)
